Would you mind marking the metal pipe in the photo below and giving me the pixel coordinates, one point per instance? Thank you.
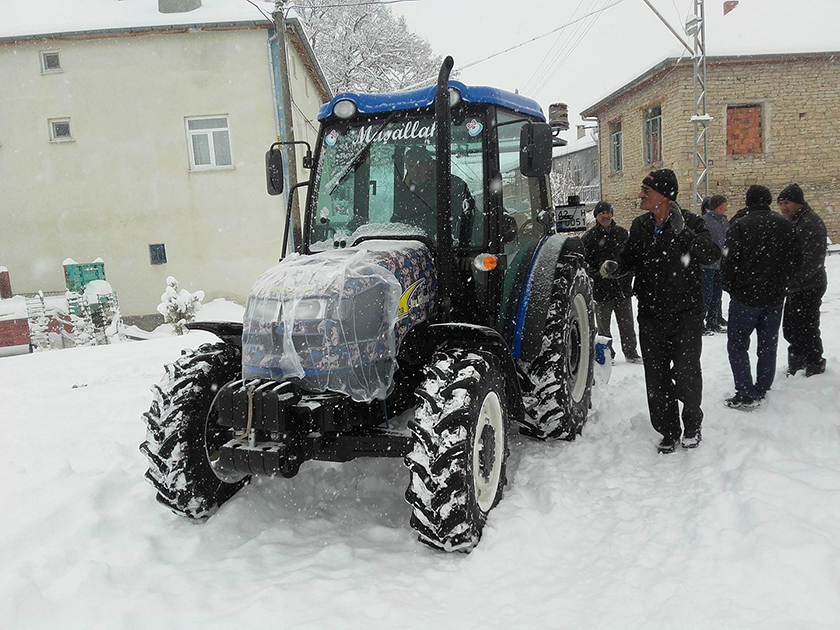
(446, 267)
(670, 28)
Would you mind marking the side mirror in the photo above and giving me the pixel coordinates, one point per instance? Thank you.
(535, 149)
(509, 229)
(274, 170)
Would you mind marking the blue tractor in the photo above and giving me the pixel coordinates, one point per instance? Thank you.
(429, 308)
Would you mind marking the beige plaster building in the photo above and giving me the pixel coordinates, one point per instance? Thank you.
(144, 145)
(776, 121)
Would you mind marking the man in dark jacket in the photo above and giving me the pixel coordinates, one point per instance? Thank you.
(801, 326)
(665, 250)
(716, 223)
(604, 242)
(761, 255)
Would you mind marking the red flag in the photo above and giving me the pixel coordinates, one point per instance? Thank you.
(729, 5)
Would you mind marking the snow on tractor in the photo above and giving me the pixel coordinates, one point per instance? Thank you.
(430, 276)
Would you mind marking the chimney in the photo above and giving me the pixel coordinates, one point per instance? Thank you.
(178, 6)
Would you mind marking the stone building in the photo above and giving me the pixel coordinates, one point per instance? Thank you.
(776, 121)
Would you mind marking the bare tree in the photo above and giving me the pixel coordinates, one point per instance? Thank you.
(366, 48)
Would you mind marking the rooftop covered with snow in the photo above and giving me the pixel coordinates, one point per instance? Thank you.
(668, 64)
(24, 19)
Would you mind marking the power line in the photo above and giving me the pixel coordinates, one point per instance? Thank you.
(548, 52)
(533, 39)
(568, 54)
(574, 39)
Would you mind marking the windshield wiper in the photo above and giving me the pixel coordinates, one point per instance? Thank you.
(357, 159)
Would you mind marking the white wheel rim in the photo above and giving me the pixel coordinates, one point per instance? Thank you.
(582, 376)
(487, 487)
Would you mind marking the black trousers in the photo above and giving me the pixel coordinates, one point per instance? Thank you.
(671, 353)
(801, 326)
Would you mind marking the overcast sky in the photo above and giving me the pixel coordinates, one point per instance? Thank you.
(601, 54)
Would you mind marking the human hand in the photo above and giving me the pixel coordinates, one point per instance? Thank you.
(609, 268)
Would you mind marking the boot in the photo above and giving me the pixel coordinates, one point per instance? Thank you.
(795, 363)
(812, 369)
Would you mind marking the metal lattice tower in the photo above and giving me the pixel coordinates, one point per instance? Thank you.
(696, 25)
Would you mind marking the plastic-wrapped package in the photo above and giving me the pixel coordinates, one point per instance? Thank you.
(328, 320)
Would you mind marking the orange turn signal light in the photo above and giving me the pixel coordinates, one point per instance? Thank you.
(486, 262)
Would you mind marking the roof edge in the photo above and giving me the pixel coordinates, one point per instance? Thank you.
(650, 74)
(136, 30)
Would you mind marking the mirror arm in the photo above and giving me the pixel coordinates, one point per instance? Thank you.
(307, 159)
(289, 211)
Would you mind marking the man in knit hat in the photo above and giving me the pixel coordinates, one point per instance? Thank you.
(801, 326)
(761, 255)
(604, 242)
(665, 249)
(715, 219)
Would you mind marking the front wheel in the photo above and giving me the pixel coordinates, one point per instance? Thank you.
(558, 383)
(183, 440)
(458, 461)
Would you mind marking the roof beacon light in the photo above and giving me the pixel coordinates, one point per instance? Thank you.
(486, 262)
(454, 97)
(344, 108)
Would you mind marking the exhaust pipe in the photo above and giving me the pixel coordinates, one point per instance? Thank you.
(443, 132)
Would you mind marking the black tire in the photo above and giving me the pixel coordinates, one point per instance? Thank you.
(557, 385)
(460, 451)
(182, 436)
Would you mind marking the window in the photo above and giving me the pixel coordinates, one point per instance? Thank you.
(50, 62)
(653, 135)
(744, 134)
(615, 147)
(157, 254)
(208, 142)
(60, 130)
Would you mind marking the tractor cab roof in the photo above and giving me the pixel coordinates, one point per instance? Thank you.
(420, 98)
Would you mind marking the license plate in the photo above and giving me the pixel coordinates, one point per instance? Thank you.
(573, 218)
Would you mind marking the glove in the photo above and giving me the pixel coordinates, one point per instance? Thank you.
(609, 268)
(677, 221)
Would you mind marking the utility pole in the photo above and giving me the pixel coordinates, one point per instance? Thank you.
(287, 131)
(696, 25)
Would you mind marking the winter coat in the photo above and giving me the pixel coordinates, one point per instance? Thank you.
(606, 244)
(667, 266)
(717, 226)
(762, 254)
(738, 216)
(810, 232)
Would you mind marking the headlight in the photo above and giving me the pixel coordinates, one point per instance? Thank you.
(310, 309)
(344, 108)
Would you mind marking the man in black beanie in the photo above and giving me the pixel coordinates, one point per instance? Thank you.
(801, 326)
(666, 247)
(761, 256)
(604, 242)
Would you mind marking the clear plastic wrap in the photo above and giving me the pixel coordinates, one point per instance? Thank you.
(327, 320)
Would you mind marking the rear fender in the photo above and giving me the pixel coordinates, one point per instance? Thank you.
(422, 341)
(537, 293)
(229, 332)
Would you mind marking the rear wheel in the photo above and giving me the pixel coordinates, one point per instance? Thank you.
(460, 451)
(183, 440)
(558, 383)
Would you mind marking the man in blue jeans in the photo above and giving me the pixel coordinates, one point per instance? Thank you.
(762, 256)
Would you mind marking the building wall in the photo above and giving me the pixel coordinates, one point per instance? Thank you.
(125, 181)
(577, 173)
(800, 101)
(621, 188)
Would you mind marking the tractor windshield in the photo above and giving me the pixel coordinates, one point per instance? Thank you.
(377, 178)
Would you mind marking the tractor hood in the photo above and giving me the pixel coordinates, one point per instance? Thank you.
(333, 320)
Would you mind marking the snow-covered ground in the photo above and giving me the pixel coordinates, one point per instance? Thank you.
(600, 533)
